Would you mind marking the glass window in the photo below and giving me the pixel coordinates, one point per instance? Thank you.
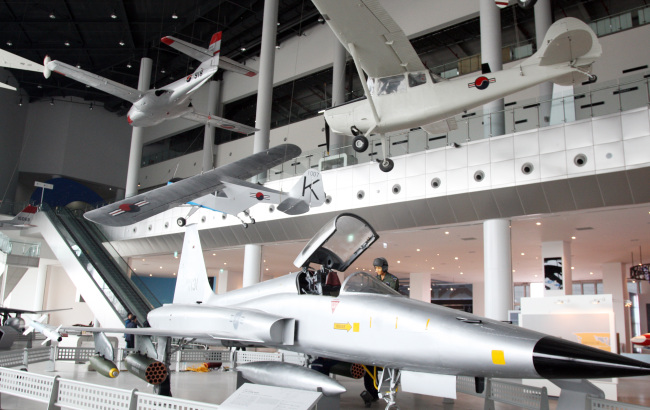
(599, 288)
(416, 79)
(391, 85)
(577, 288)
(361, 282)
(589, 288)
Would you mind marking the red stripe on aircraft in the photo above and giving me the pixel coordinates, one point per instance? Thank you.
(215, 37)
(167, 41)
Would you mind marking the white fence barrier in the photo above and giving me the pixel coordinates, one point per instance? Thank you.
(526, 397)
(602, 404)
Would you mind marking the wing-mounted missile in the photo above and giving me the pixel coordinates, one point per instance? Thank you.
(345, 369)
(641, 340)
(146, 368)
(290, 375)
(52, 334)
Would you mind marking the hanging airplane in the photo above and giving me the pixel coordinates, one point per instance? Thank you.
(222, 189)
(21, 221)
(423, 346)
(401, 93)
(11, 60)
(172, 101)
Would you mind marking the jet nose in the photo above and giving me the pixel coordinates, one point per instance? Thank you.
(555, 358)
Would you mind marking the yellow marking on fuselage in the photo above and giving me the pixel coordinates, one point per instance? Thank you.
(498, 357)
(370, 322)
(427, 326)
(395, 322)
(343, 326)
(355, 327)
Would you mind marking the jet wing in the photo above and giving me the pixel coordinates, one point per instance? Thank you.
(239, 196)
(381, 45)
(95, 81)
(8, 87)
(219, 122)
(145, 205)
(4, 310)
(10, 60)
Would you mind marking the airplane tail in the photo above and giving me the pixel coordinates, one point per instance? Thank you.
(192, 284)
(571, 41)
(24, 218)
(306, 193)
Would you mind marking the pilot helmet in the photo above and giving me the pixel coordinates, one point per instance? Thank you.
(381, 262)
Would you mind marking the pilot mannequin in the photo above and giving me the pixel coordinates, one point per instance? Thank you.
(381, 269)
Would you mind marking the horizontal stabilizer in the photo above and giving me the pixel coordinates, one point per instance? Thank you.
(191, 50)
(10, 60)
(219, 122)
(232, 65)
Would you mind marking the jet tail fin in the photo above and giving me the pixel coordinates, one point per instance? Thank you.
(24, 218)
(192, 284)
(570, 41)
(307, 192)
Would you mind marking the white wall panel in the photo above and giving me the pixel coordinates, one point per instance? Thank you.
(551, 139)
(456, 181)
(478, 152)
(436, 161)
(415, 187)
(503, 173)
(457, 157)
(377, 193)
(416, 164)
(526, 144)
(636, 151)
(578, 134)
(607, 129)
(502, 149)
(552, 165)
(635, 123)
(610, 156)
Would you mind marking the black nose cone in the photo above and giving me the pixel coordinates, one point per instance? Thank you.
(555, 358)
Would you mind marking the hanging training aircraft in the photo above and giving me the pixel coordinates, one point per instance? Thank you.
(425, 346)
(10, 60)
(401, 93)
(172, 101)
(21, 221)
(222, 189)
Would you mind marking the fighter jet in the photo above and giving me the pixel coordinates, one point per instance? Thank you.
(21, 221)
(401, 93)
(223, 189)
(172, 101)
(423, 346)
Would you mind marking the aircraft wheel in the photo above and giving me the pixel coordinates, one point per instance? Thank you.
(245, 225)
(360, 143)
(386, 165)
(181, 222)
(252, 220)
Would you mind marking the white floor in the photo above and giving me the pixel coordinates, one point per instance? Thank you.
(216, 386)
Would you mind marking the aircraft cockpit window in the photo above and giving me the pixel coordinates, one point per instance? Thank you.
(361, 282)
(391, 85)
(416, 79)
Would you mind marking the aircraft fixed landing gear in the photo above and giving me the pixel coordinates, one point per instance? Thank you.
(386, 164)
(389, 390)
(251, 220)
(360, 143)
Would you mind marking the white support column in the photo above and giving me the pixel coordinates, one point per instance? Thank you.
(223, 281)
(543, 20)
(644, 306)
(420, 286)
(265, 79)
(135, 155)
(615, 282)
(478, 298)
(252, 264)
(39, 285)
(491, 53)
(208, 139)
(338, 92)
(498, 268)
(556, 264)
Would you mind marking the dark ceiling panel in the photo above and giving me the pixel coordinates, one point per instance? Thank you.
(532, 199)
(586, 192)
(614, 188)
(485, 205)
(508, 202)
(558, 195)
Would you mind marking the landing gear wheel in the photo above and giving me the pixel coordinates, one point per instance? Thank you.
(181, 222)
(245, 225)
(386, 165)
(360, 143)
(253, 220)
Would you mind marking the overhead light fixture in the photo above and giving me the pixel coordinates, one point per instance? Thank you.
(67, 44)
(162, 71)
(538, 223)
(321, 20)
(39, 86)
(174, 15)
(52, 15)
(277, 46)
(113, 15)
(128, 65)
(20, 103)
(243, 49)
(78, 65)
(122, 43)
(9, 43)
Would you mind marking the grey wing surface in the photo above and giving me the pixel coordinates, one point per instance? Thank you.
(95, 81)
(219, 122)
(381, 45)
(148, 204)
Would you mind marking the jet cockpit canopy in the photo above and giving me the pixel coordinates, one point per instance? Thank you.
(362, 282)
(338, 243)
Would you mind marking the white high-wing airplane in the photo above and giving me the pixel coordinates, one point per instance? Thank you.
(172, 101)
(21, 221)
(223, 189)
(400, 91)
(10, 60)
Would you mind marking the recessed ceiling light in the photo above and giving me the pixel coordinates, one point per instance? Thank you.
(161, 267)
(523, 254)
(243, 49)
(128, 65)
(52, 15)
(225, 263)
(9, 43)
(446, 232)
(214, 254)
(399, 262)
(535, 275)
(121, 43)
(573, 237)
(113, 15)
(538, 223)
(67, 44)
(174, 16)
(162, 71)
(591, 273)
(456, 257)
(151, 274)
(417, 250)
(174, 273)
(572, 267)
